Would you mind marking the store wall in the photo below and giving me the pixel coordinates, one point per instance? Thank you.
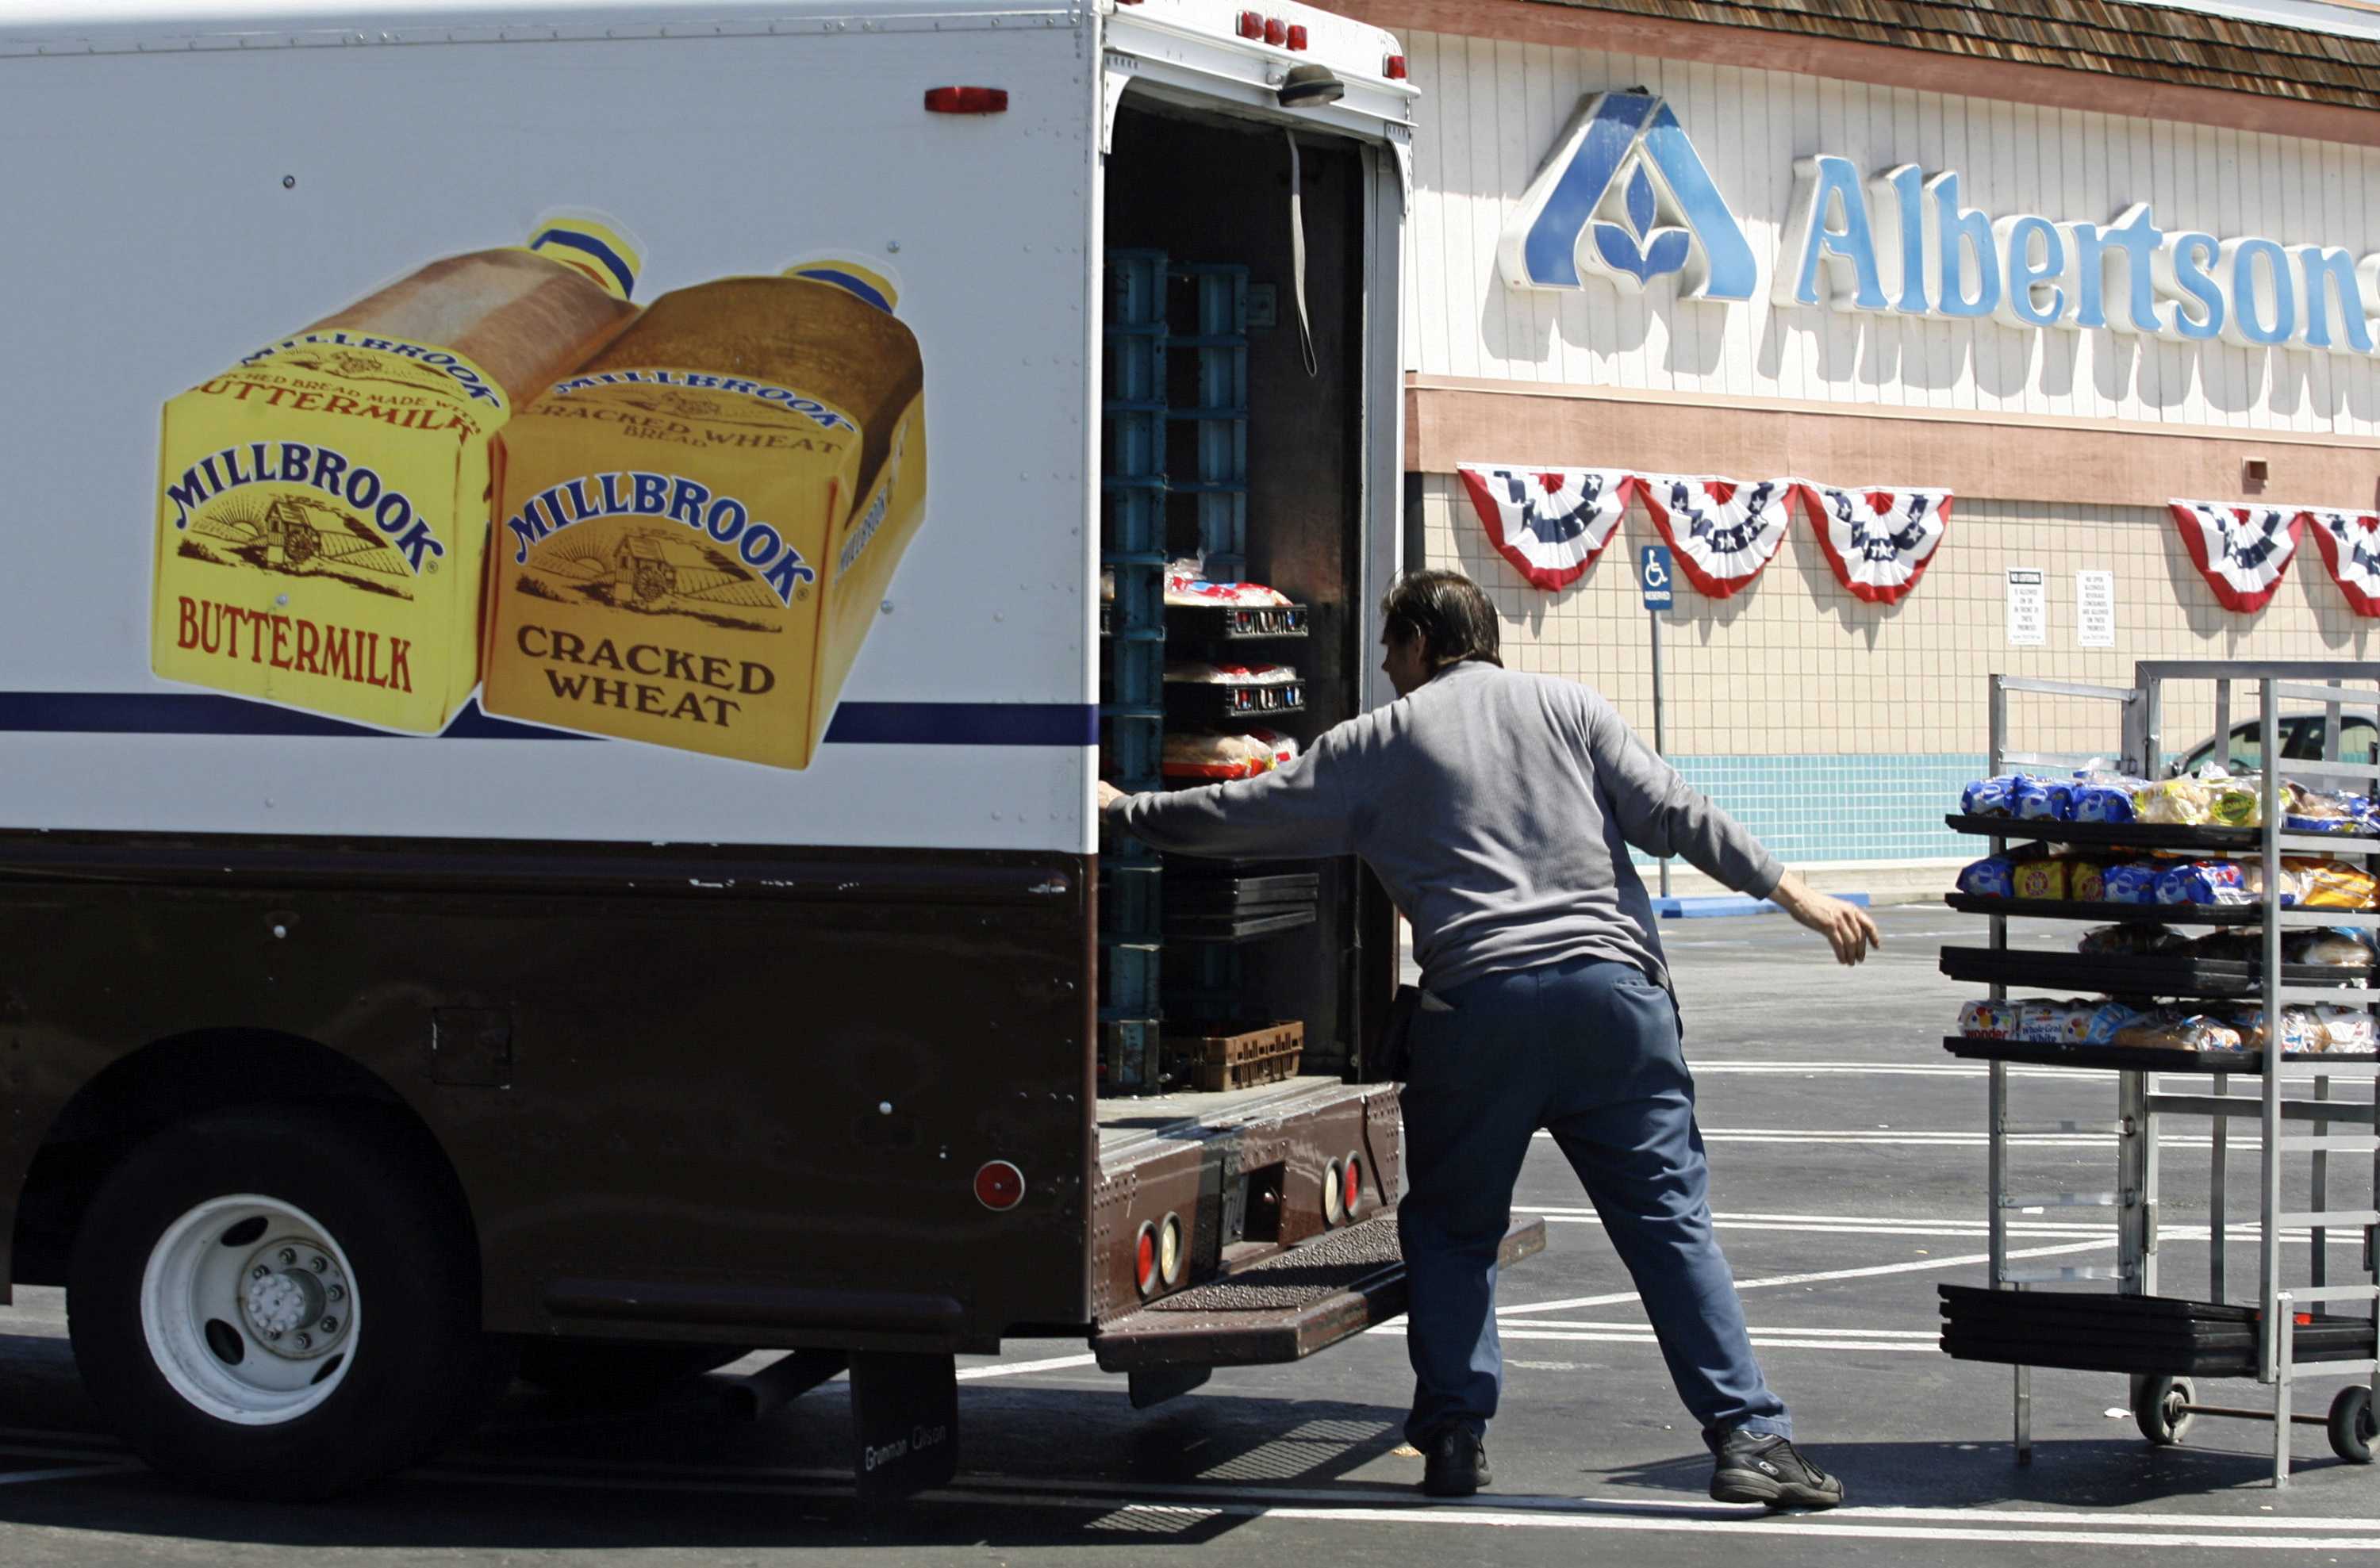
(1841, 730)
(1490, 111)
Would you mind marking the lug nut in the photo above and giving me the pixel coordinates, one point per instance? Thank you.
(336, 1293)
(330, 1325)
(258, 1271)
(304, 1342)
(272, 1334)
(321, 1264)
(288, 1256)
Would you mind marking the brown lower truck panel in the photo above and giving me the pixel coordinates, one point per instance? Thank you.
(725, 1094)
(1286, 1308)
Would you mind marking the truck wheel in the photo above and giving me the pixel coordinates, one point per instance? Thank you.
(2158, 1408)
(2351, 1426)
(579, 1369)
(280, 1304)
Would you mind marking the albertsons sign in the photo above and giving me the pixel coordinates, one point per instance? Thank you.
(1625, 198)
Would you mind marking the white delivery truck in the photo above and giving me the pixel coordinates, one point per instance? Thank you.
(573, 566)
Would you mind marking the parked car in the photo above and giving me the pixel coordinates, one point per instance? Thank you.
(2305, 736)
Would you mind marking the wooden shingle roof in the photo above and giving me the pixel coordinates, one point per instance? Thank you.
(2139, 43)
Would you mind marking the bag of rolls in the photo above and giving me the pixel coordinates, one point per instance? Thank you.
(324, 504)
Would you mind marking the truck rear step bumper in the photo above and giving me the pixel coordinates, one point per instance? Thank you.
(1286, 1308)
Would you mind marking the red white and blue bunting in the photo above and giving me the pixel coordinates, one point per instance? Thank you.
(2349, 542)
(1878, 541)
(2240, 550)
(1723, 532)
(1551, 523)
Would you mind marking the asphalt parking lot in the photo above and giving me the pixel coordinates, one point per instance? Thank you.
(1848, 1153)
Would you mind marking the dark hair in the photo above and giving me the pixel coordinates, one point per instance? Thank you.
(1446, 609)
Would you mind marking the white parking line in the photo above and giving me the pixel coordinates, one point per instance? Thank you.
(1921, 1265)
(1010, 1369)
(1941, 1230)
(1194, 1504)
(61, 1473)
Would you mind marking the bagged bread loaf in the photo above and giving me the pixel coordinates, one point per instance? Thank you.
(324, 504)
(699, 524)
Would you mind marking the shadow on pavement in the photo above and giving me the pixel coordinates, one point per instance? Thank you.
(2089, 1472)
(559, 1475)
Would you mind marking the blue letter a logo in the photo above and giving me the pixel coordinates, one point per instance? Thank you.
(1626, 196)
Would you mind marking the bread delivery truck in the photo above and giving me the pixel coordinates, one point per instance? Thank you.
(573, 566)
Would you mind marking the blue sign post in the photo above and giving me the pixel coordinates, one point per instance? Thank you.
(1655, 572)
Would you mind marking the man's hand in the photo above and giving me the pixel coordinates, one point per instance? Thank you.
(1109, 795)
(1847, 926)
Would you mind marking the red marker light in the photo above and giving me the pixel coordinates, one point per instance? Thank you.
(1144, 1263)
(1353, 1199)
(1297, 36)
(999, 1186)
(1396, 68)
(1251, 25)
(967, 100)
(1276, 31)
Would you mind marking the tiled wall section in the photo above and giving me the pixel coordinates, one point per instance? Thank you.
(1820, 810)
(1838, 725)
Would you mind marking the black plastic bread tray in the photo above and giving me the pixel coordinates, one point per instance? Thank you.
(2128, 974)
(1236, 928)
(2108, 835)
(1205, 702)
(1233, 622)
(2152, 1334)
(1239, 894)
(2111, 914)
(2139, 835)
(2128, 1058)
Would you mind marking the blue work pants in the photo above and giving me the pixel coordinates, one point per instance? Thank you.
(1589, 1051)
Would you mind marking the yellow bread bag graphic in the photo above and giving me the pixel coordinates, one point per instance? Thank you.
(322, 506)
(695, 529)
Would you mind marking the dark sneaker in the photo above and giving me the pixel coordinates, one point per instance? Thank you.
(1455, 1464)
(1764, 1467)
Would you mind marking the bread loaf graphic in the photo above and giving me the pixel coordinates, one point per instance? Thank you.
(697, 527)
(324, 505)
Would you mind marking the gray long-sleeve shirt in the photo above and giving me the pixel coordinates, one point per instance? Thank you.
(1498, 807)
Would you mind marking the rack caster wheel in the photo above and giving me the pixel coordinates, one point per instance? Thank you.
(2352, 1425)
(2158, 1406)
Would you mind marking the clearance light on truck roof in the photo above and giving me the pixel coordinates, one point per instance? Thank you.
(1252, 24)
(999, 1186)
(1395, 69)
(1297, 36)
(967, 100)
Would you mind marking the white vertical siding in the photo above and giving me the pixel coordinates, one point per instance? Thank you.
(1489, 115)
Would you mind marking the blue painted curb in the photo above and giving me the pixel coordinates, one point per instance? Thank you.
(1722, 904)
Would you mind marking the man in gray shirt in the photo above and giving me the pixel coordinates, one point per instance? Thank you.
(1498, 809)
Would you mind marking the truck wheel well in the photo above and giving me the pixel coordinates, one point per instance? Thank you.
(173, 1080)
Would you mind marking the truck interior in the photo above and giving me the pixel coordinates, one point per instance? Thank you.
(1228, 443)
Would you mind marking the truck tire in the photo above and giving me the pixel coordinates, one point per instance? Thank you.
(279, 1303)
(589, 1369)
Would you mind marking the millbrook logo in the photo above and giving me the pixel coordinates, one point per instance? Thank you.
(1625, 195)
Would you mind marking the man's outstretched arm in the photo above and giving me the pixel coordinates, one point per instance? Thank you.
(1298, 810)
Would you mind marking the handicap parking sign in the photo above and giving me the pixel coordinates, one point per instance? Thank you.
(1653, 572)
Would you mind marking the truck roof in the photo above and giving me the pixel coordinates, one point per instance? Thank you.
(74, 24)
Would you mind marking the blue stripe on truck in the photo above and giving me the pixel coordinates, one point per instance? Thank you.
(203, 713)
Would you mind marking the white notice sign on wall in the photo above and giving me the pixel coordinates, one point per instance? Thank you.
(2028, 608)
(2095, 609)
